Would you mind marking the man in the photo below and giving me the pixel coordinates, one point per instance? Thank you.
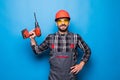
(62, 45)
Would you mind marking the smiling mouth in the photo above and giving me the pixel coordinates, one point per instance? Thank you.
(62, 25)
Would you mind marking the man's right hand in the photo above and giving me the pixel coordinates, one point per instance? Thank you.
(33, 34)
(32, 37)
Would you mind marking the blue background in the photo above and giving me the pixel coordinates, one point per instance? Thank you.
(97, 21)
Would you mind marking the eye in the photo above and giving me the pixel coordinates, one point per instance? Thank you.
(66, 20)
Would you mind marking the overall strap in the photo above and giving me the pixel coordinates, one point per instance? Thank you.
(56, 43)
(75, 38)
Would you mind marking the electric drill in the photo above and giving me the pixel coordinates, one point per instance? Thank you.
(25, 32)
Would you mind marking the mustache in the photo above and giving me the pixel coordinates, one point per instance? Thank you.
(63, 25)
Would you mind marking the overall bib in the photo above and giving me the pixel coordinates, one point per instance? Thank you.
(60, 62)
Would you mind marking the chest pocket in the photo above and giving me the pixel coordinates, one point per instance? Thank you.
(73, 43)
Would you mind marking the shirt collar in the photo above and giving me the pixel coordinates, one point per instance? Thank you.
(62, 34)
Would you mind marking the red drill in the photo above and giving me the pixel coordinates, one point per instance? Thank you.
(25, 32)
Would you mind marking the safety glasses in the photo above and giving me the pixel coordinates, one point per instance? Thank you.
(63, 21)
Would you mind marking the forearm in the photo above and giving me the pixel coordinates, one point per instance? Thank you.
(34, 45)
(38, 49)
(82, 63)
(33, 42)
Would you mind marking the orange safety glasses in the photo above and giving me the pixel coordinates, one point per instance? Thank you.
(63, 21)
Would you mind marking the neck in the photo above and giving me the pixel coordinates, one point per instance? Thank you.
(63, 32)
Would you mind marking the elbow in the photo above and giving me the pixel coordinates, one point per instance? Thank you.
(87, 55)
(36, 53)
(89, 51)
(35, 50)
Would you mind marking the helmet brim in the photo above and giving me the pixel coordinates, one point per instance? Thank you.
(61, 18)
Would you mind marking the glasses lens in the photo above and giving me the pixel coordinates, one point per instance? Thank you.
(65, 21)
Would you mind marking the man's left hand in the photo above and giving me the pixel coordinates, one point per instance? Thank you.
(75, 69)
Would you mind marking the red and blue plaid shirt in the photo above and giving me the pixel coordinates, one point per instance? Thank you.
(63, 43)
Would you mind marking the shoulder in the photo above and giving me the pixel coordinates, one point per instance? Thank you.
(50, 35)
(74, 34)
(71, 33)
(78, 36)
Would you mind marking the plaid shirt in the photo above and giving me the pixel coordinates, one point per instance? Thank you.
(63, 43)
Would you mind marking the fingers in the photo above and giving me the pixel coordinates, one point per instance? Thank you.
(72, 67)
(75, 69)
(32, 34)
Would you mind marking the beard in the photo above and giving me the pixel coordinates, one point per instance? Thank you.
(63, 28)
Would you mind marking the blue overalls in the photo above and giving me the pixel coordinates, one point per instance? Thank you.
(60, 62)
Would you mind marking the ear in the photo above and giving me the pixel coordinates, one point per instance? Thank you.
(69, 23)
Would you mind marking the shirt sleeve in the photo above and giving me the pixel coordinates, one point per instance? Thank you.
(38, 49)
(87, 52)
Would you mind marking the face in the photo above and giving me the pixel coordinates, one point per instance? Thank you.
(62, 24)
